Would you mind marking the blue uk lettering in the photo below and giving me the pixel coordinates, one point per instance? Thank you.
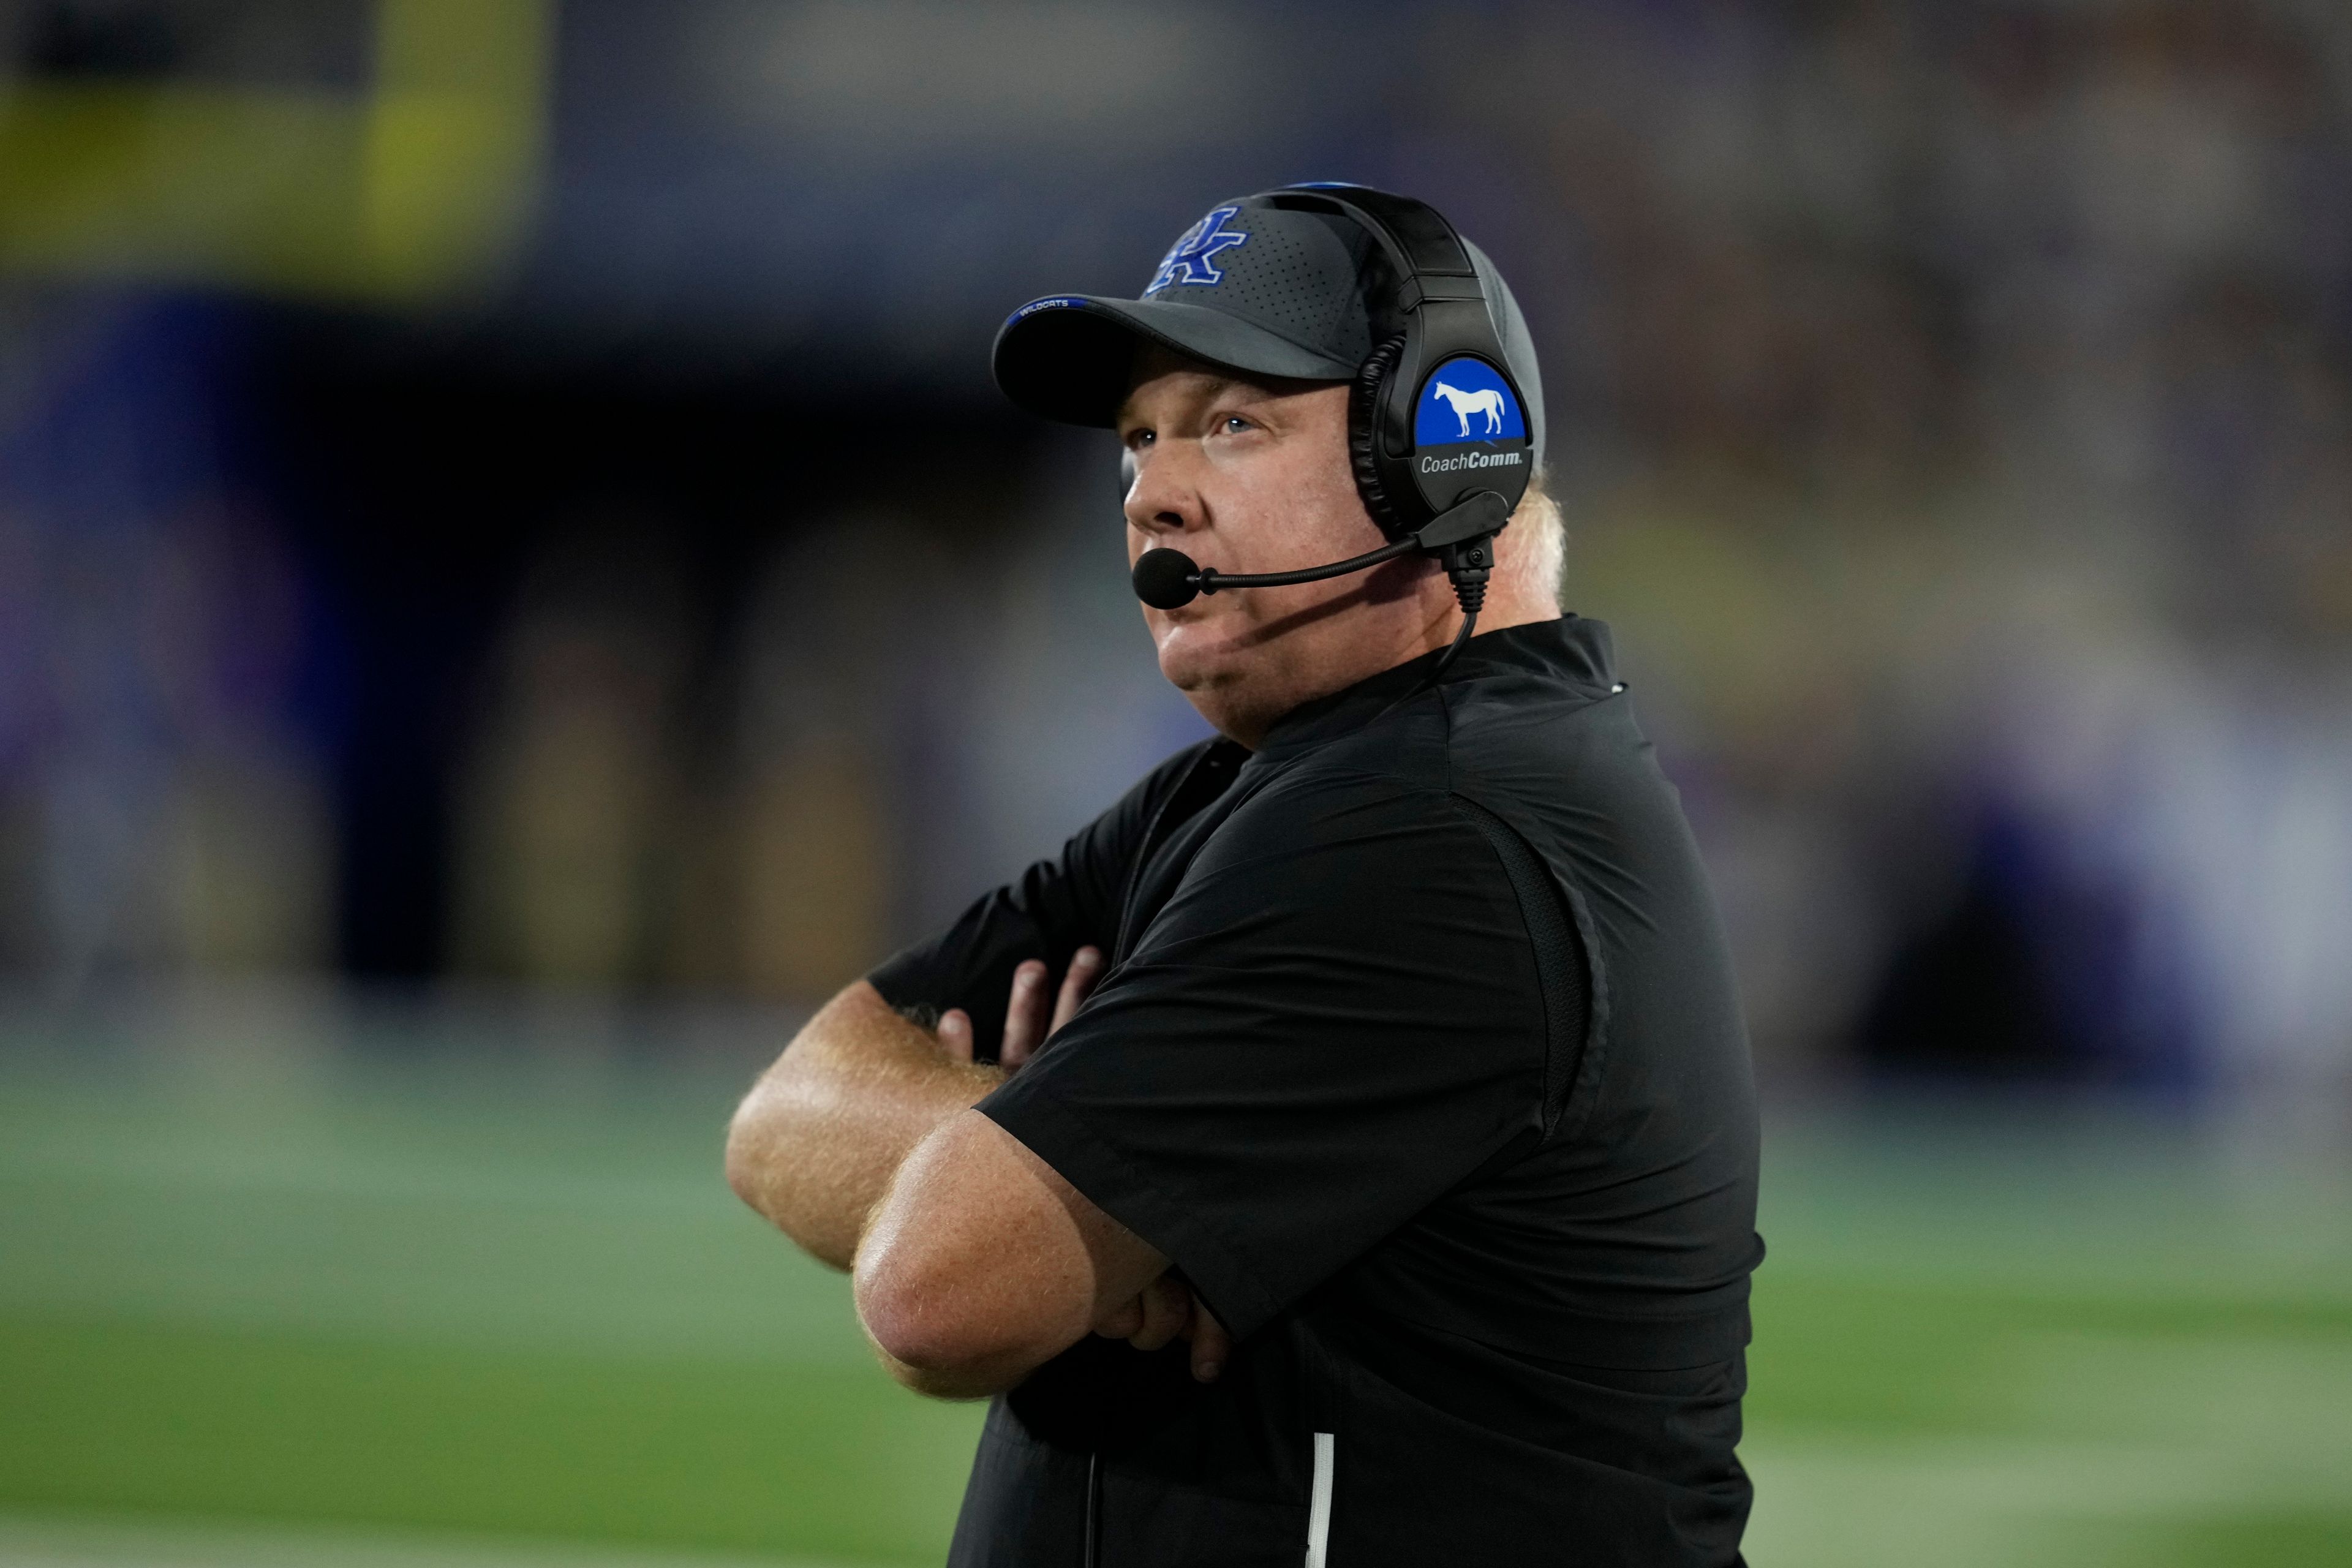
(1191, 260)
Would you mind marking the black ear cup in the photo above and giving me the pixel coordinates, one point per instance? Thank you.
(1364, 434)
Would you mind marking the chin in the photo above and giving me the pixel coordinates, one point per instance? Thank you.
(1200, 654)
(1226, 678)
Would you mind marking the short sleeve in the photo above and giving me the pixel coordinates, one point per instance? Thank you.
(1053, 909)
(1335, 1019)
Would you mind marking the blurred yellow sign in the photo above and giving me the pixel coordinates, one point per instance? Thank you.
(412, 188)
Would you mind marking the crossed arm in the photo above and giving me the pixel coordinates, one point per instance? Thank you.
(974, 1261)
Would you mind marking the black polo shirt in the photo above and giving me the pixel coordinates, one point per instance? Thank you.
(1418, 1054)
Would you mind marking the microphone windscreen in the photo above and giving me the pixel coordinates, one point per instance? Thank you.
(1166, 578)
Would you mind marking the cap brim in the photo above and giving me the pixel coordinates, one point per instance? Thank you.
(1068, 357)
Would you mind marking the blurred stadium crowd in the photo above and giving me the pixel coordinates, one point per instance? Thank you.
(643, 591)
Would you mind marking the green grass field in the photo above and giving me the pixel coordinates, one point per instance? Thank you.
(288, 1284)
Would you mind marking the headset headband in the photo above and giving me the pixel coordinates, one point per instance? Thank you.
(1430, 260)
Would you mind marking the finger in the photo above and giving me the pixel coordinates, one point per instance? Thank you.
(1025, 1013)
(1121, 1320)
(955, 1033)
(1085, 968)
(1211, 1346)
(1166, 1309)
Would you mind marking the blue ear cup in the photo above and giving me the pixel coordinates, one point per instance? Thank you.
(1433, 320)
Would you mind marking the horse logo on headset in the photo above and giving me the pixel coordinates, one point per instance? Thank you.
(1191, 259)
(1488, 402)
(1466, 399)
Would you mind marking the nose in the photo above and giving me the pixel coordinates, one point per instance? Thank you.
(1161, 497)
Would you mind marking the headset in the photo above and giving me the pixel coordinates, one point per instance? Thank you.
(1440, 464)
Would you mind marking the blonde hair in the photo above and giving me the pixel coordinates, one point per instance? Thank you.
(1533, 551)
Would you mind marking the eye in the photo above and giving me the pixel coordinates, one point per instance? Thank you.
(1138, 439)
(1234, 425)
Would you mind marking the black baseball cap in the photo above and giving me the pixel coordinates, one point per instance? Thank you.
(1261, 290)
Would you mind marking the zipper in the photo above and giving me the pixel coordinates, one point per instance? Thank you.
(1094, 1509)
(1319, 1503)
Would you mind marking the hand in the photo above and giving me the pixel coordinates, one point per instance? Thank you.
(1027, 1025)
(1166, 1309)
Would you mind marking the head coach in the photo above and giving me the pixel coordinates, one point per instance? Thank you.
(1385, 1194)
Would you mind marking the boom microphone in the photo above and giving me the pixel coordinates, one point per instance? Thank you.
(1165, 578)
(1461, 536)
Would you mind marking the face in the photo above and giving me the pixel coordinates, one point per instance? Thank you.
(1253, 476)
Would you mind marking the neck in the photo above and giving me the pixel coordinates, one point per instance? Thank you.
(1433, 628)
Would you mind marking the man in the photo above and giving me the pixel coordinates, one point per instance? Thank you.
(1385, 1192)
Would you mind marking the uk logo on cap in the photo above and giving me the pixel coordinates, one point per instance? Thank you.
(1191, 260)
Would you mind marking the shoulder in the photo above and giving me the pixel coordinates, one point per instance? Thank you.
(1372, 860)
(1561, 761)
(1332, 802)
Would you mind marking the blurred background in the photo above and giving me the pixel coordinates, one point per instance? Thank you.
(514, 583)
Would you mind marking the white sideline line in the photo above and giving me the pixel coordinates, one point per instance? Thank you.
(43, 1541)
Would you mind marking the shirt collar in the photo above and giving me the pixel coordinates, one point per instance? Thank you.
(1571, 650)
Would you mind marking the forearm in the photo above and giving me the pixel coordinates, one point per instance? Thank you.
(984, 1262)
(815, 1144)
